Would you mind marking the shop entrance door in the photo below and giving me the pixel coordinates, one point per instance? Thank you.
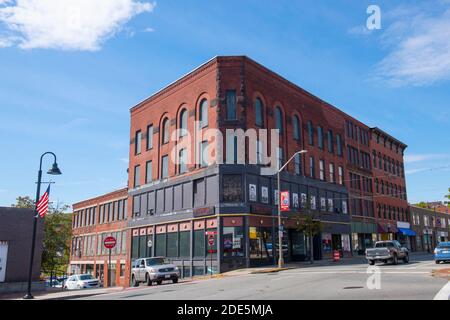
(336, 243)
(298, 246)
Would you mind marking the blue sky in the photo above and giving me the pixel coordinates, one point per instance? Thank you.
(68, 88)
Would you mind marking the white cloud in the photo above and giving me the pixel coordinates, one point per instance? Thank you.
(149, 30)
(66, 24)
(419, 44)
(414, 158)
(125, 160)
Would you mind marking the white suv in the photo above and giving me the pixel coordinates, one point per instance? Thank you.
(82, 281)
(151, 270)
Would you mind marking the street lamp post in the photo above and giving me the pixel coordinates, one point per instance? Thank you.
(53, 171)
(280, 235)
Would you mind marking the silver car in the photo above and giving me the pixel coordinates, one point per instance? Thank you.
(150, 270)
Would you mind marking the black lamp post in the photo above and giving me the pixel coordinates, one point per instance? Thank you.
(53, 171)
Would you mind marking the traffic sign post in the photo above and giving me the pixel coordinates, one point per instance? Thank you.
(109, 243)
(211, 241)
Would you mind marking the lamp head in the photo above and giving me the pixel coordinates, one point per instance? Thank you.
(54, 170)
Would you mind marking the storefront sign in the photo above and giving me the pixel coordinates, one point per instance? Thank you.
(258, 209)
(202, 212)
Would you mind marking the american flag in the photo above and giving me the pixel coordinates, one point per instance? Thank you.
(42, 205)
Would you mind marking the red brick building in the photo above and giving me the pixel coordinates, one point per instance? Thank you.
(391, 202)
(94, 220)
(174, 200)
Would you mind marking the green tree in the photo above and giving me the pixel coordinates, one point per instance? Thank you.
(422, 205)
(448, 197)
(57, 236)
(311, 227)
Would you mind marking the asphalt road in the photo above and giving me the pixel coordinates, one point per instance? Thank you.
(412, 281)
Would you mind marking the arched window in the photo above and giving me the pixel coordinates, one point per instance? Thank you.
(259, 109)
(204, 113)
(279, 119)
(183, 122)
(165, 131)
(296, 127)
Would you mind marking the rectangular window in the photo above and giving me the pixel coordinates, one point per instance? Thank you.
(231, 104)
(149, 172)
(310, 133)
(137, 176)
(138, 142)
(232, 188)
(320, 137)
(341, 176)
(182, 168)
(339, 144)
(149, 137)
(322, 170)
(332, 180)
(330, 142)
(204, 154)
(164, 167)
(298, 164)
(312, 169)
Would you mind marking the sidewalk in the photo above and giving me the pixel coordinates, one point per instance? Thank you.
(58, 294)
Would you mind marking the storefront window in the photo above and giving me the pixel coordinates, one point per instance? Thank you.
(185, 244)
(326, 243)
(233, 241)
(142, 246)
(135, 248)
(172, 245)
(160, 248)
(298, 242)
(199, 243)
(232, 188)
(261, 246)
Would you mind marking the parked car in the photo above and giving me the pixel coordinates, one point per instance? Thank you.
(442, 252)
(82, 281)
(149, 270)
(54, 283)
(387, 251)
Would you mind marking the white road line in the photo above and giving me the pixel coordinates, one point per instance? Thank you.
(444, 294)
(358, 272)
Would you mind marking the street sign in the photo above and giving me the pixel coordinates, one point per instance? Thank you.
(211, 240)
(285, 202)
(150, 243)
(110, 242)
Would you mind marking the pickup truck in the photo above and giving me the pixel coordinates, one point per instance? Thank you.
(387, 251)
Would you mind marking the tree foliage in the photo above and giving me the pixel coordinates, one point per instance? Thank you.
(57, 235)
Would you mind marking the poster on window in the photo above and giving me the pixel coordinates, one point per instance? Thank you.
(264, 195)
(330, 205)
(326, 242)
(252, 192)
(313, 203)
(295, 200)
(285, 201)
(323, 204)
(304, 200)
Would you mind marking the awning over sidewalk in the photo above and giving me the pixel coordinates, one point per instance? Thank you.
(407, 232)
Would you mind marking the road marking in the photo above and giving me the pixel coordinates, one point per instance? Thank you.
(444, 294)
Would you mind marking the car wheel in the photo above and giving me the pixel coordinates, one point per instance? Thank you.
(406, 258)
(371, 262)
(437, 262)
(175, 280)
(147, 280)
(395, 260)
(159, 282)
(134, 283)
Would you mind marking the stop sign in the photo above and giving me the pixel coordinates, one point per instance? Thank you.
(211, 239)
(109, 242)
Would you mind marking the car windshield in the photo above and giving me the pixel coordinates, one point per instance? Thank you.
(86, 277)
(384, 245)
(156, 261)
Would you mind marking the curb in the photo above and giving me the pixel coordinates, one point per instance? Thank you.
(273, 270)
